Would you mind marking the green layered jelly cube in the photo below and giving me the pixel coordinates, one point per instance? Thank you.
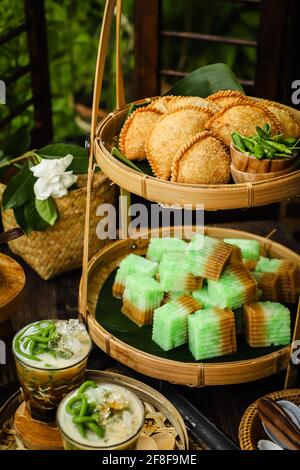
(143, 292)
(134, 264)
(228, 291)
(268, 265)
(170, 325)
(204, 334)
(202, 296)
(173, 272)
(277, 323)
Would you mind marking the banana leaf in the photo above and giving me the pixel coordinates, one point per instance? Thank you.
(206, 80)
(108, 314)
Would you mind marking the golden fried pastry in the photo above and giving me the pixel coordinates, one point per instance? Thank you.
(169, 133)
(193, 101)
(225, 97)
(243, 117)
(135, 131)
(290, 127)
(204, 159)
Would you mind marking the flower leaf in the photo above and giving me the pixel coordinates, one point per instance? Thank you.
(80, 161)
(47, 210)
(19, 189)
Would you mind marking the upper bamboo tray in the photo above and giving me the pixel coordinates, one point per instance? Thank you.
(103, 322)
(214, 197)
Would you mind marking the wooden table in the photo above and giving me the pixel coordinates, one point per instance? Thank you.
(224, 405)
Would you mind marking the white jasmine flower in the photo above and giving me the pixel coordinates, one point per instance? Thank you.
(53, 179)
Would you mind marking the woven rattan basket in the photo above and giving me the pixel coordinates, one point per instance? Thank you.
(59, 248)
(251, 430)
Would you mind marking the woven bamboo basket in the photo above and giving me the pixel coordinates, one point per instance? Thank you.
(226, 196)
(59, 248)
(187, 373)
(251, 430)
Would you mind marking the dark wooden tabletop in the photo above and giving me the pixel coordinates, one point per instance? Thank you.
(224, 405)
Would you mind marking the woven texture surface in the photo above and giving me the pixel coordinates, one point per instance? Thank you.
(251, 430)
(59, 248)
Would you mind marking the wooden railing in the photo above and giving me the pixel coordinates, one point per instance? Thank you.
(276, 65)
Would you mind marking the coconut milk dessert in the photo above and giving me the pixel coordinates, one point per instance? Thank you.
(51, 359)
(100, 416)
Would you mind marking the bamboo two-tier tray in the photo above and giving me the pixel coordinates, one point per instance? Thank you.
(96, 273)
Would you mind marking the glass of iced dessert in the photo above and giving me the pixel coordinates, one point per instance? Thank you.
(51, 358)
(100, 416)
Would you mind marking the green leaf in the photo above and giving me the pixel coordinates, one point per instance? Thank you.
(80, 161)
(33, 219)
(19, 189)
(17, 143)
(47, 210)
(207, 80)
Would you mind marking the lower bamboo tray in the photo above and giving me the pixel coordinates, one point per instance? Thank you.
(222, 196)
(160, 414)
(104, 327)
(251, 430)
(12, 283)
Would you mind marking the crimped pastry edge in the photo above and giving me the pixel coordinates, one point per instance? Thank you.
(225, 94)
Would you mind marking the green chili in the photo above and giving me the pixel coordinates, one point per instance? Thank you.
(248, 144)
(237, 139)
(276, 146)
(258, 150)
(97, 429)
(85, 385)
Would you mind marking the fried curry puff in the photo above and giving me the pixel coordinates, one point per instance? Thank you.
(135, 131)
(202, 160)
(243, 116)
(170, 133)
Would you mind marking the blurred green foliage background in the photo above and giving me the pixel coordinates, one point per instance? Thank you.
(73, 31)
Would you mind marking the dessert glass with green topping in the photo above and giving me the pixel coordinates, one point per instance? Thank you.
(51, 358)
(100, 416)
